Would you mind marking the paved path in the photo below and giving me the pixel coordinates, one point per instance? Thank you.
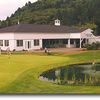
(66, 50)
(63, 50)
(56, 50)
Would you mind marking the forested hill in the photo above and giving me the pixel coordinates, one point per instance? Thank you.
(76, 13)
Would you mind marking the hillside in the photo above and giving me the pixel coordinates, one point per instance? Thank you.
(77, 13)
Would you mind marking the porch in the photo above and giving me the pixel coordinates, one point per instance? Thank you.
(63, 43)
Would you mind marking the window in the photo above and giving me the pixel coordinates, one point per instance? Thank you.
(6, 42)
(36, 42)
(65, 41)
(71, 41)
(1, 42)
(19, 43)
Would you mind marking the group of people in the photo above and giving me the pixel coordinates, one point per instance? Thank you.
(47, 51)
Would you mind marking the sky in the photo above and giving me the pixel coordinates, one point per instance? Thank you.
(7, 7)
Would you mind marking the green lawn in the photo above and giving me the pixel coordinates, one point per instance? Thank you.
(20, 73)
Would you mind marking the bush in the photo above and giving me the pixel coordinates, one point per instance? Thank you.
(14, 50)
(93, 46)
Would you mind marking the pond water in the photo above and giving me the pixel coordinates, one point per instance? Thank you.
(81, 74)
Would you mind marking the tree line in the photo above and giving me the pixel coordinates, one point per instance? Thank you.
(75, 13)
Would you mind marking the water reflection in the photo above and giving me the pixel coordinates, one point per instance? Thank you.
(83, 74)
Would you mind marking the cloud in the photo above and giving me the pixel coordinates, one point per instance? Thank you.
(7, 7)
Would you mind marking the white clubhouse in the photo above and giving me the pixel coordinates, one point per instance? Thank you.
(32, 37)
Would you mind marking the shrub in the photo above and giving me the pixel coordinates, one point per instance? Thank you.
(14, 50)
(24, 50)
(93, 46)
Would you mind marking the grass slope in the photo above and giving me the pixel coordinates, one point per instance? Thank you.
(20, 73)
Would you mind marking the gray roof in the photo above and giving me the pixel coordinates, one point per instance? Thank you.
(33, 28)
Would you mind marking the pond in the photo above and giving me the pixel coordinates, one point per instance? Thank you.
(80, 74)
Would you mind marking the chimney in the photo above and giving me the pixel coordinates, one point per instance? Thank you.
(57, 22)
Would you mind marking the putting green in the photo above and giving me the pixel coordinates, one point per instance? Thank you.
(11, 68)
(19, 73)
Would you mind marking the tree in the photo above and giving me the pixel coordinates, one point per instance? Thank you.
(77, 13)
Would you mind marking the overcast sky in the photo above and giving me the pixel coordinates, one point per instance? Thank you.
(7, 7)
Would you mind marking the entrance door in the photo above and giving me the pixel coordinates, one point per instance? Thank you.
(27, 45)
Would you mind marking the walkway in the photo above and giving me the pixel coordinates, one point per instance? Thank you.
(63, 50)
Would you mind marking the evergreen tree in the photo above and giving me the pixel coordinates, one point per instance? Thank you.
(78, 13)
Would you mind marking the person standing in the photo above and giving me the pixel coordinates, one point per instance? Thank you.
(49, 52)
(45, 50)
(8, 51)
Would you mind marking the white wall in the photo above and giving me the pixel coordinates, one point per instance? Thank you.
(40, 36)
(71, 46)
(32, 36)
(75, 35)
(26, 36)
(89, 35)
(94, 39)
(46, 35)
(32, 45)
(7, 36)
(12, 37)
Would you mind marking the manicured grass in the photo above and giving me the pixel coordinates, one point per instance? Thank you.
(19, 73)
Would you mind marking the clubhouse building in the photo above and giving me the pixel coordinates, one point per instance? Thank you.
(32, 37)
